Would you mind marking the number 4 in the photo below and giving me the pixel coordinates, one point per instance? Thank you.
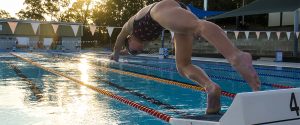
(293, 104)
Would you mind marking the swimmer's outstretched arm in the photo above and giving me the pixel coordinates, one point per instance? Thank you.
(126, 30)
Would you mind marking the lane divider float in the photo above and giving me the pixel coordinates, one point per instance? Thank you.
(280, 86)
(160, 80)
(150, 111)
(213, 76)
(180, 84)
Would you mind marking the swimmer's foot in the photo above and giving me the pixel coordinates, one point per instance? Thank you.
(213, 98)
(213, 111)
(242, 62)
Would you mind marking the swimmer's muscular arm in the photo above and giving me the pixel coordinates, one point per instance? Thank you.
(126, 30)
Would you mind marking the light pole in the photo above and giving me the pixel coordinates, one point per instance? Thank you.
(243, 17)
(205, 5)
(296, 29)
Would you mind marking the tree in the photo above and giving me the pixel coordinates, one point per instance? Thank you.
(42, 9)
(55, 8)
(34, 10)
(4, 14)
(115, 13)
(79, 12)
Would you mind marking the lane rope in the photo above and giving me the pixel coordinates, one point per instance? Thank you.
(150, 111)
(280, 86)
(224, 64)
(160, 80)
(274, 85)
(145, 97)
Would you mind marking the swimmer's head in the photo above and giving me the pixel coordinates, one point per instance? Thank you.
(133, 45)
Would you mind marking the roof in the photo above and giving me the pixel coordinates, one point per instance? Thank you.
(201, 14)
(262, 7)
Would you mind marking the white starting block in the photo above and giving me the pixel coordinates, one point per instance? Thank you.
(275, 107)
(163, 53)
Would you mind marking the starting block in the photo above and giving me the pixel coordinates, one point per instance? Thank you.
(274, 107)
(163, 53)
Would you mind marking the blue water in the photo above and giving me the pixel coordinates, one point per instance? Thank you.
(30, 95)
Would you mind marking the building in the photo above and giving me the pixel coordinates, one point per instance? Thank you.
(29, 34)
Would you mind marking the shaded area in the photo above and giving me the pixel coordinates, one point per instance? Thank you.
(261, 7)
(213, 117)
(145, 97)
(202, 13)
(34, 89)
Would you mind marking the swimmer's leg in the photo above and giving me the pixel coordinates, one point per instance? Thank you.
(183, 53)
(171, 16)
(241, 61)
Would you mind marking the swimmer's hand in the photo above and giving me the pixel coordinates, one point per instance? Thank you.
(114, 56)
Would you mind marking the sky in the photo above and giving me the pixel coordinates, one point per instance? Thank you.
(14, 6)
(11, 6)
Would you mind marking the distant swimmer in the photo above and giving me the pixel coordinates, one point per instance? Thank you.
(147, 25)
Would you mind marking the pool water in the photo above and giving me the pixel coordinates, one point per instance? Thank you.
(30, 95)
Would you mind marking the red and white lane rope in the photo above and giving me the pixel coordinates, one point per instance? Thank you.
(150, 111)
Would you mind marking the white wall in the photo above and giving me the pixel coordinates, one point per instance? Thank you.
(71, 43)
(7, 42)
(47, 42)
(274, 19)
(287, 19)
(33, 41)
(23, 41)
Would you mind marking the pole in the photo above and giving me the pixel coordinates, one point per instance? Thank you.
(162, 39)
(296, 29)
(110, 47)
(205, 5)
(243, 17)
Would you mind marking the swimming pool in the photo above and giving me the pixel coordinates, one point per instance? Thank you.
(32, 95)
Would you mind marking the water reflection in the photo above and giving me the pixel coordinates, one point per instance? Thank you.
(63, 102)
(37, 93)
(83, 68)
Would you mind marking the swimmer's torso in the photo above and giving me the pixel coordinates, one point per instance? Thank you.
(145, 28)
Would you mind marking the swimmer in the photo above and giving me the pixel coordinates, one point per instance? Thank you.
(146, 26)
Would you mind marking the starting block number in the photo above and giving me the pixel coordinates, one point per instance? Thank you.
(293, 104)
(275, 107)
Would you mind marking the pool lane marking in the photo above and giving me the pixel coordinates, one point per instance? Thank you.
(213, 76)
(185, 85)
(145, 97)
(166, 81)
(150, 111)
(35, 90)
(280, 86)
(160, 80)
(224, 64)
(227, 70)
(142, 96)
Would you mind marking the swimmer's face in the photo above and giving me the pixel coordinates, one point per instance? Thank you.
(134, 45)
